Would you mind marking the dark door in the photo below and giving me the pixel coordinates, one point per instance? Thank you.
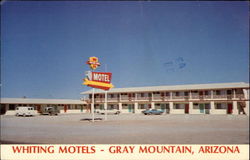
(131, 108)
(202, 108)
(38, 107)
(129, 96)
(3, 108)
(229, 94)
(229, 108)
(65, 108)
(162, 96)
(186, 108)
(201, 94)
(167, 109)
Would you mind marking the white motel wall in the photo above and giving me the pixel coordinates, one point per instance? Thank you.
(8, 105)
(218, 98)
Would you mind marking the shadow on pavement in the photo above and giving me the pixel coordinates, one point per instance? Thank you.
(90, 119)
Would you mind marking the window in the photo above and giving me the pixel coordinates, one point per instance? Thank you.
(229, 92)
(111, 107)
(220, 106)
(124, 106)
(239, 91)
(12, 107)
(206, 92)
(143, 106)
(218, 92)
(178, 106)
(207, 106)
(196, 106)
(177, 93)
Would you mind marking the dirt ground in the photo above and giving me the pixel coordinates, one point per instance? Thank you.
(126, 129)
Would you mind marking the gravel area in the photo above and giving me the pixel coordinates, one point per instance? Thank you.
(126, 129)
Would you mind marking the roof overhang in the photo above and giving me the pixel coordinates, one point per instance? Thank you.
(39, 101)
(211, 86)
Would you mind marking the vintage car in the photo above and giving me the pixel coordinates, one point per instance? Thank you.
(50, 111)
(109, 111)
(152, 111)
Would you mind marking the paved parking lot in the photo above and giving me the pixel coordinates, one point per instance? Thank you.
(126, 129)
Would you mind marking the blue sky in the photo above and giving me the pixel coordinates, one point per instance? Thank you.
(45, 44)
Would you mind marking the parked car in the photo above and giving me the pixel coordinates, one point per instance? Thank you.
(25, 111)
(152, 111)
(112, 111)
(50, 111)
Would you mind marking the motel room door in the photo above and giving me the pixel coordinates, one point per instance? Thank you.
(65, 108)
(163, 107)
(229, 108)
(3, 108)
(167, 109)
(38, 108)
(131, 108)
(186, 108)
(202, 108)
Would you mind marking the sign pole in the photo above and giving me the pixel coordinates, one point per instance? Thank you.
(106, 98)
(106, 104)
(93, 105)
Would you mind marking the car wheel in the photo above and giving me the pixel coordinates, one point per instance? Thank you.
(24, 115)
(17, 114)
(145, 113)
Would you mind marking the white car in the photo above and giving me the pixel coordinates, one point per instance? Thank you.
(113, 111)
(25, 111)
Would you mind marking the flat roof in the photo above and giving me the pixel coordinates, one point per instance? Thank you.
(39, 101)
(174, 88)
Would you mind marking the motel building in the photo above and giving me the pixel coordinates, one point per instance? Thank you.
(8, 105)
(218, 98)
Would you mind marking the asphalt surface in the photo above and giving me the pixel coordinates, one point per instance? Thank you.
(125, 129)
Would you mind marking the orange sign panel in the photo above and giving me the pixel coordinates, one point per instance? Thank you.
(101, 80)
(93, 62)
